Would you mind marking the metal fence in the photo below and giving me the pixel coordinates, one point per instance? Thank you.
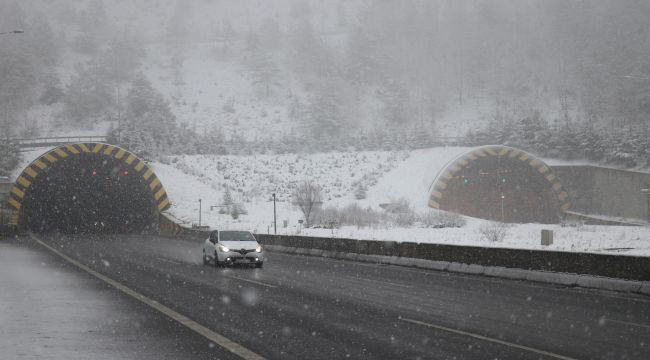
(26, 144)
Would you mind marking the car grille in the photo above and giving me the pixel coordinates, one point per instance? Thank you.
(243, 251)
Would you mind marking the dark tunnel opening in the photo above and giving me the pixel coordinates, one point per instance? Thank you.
(502, 189)
(89, 193)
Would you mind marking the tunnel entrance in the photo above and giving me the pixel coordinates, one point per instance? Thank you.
(89, 194)
(502, 184)
(502, 192)
(88, 188)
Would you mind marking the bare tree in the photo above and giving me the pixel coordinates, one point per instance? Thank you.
(307, 196)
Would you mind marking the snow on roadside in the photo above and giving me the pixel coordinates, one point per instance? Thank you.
(618, 240)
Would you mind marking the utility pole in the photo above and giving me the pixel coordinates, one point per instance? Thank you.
(117, 88)
(275, 224)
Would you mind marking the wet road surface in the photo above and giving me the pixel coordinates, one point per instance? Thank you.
(304, 307)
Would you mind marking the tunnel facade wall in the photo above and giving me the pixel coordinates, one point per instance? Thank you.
(604, 191)
(6, 212)
(21, 188)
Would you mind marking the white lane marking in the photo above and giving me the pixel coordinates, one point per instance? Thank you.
(627, 323)
(250, 281)
(169, 261)
(216, 338)
(485, 338)
(378, 281)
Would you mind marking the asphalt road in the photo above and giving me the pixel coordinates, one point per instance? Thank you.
(51, 310)
(314, 308)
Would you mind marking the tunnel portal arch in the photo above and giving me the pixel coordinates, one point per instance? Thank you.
(108, 179)
(500, 183)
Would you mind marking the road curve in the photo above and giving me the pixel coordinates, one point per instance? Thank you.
(315, 308)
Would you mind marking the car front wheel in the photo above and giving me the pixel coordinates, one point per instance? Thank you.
(217, 263)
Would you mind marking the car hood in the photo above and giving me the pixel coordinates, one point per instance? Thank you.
(238, 245)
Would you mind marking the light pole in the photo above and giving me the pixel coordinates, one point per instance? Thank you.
(17, 31)
(646, 191)
(199, 212)
(275, 225)
(502, 217)
(117, 87)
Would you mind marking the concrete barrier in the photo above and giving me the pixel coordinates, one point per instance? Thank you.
(407, 249)
(610, 266)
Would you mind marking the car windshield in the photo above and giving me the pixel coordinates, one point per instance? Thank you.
(236, 236)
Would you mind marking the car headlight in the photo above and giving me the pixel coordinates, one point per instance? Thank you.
(223, 248)
(258, 248)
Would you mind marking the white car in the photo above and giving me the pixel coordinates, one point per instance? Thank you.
(229, 247)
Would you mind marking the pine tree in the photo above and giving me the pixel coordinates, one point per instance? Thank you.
(622, 144)
(568, 145)
(88, 94)
(310, 55)
(360, 192)
(226, 202)
(148, 111)
(227, 197)
(264, 71)
(52, 89)
(17, 82)
(395, 100)
(134, 138)
(362, 65)
(9, 156)
(124, 56)
(93, 28)
(43, 41)
(325, 118)
(591, 143)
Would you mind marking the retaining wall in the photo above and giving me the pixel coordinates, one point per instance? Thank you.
(603, 191)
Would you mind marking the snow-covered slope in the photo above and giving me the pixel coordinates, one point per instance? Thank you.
(400, 175)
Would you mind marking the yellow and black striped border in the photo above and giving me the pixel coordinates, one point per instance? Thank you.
(451, 169)
(42, 163)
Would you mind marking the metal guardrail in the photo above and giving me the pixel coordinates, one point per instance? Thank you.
(24, 144)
